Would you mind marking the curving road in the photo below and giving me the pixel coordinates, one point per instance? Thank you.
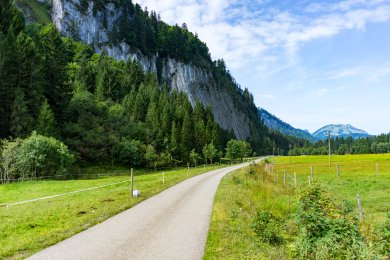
(171, 225)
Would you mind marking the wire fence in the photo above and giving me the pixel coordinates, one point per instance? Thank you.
(61, 194)
(65, 176)
(81, 190)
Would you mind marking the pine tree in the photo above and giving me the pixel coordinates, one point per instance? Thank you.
(30, 73)
(166, 116)
(186, 136)
(174, 139)
(216, 136)
(21, 121)
(7, 82)
(10, 17)
(46, 124)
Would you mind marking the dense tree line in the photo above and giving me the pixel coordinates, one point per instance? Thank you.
(368, 145)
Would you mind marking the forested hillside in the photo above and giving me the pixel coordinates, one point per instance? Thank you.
(104, 110)
(179, 59)
(277, 124)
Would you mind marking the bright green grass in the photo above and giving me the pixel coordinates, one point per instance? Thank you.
(240, 195)
(36, 10)
(357, 177)
(28, 228)
(238, 198)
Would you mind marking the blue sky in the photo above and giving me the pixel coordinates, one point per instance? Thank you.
(310, 63)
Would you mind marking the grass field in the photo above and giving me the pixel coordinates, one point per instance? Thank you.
(357, 177)
(28, 228)
(242, 194)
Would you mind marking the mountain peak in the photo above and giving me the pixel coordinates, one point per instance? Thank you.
(340, 130)
(273, 122)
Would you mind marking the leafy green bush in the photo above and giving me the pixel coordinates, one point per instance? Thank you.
(268, 227)
(8, 159)
(39, 155)
(129, 152)
(35, 156)
(327, 229)
(252, 168)
(384, 240)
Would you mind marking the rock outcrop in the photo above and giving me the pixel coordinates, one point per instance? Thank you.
(93, 27)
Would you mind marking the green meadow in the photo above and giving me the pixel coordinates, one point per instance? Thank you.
(28, 228)
(257, 198)
(357, 176)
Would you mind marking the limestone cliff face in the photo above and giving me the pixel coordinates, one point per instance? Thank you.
(94, 29)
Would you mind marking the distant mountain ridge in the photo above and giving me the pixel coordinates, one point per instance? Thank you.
(273, 122)
(340, 130)
(336, 130)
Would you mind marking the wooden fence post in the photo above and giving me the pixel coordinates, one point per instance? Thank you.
(377, 169)
(132, 183)
(360, 207)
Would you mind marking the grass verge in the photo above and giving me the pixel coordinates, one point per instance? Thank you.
(238, 198)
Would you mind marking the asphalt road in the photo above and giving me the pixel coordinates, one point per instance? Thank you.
(171, 225)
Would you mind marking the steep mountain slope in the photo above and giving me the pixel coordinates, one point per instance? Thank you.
(106, 26)
(272, 122)
(339, 130)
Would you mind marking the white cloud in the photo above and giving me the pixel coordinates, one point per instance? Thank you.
(370, 73)
(269, 96)
(246, 32)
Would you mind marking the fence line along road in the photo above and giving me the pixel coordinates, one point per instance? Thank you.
(62, 194)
